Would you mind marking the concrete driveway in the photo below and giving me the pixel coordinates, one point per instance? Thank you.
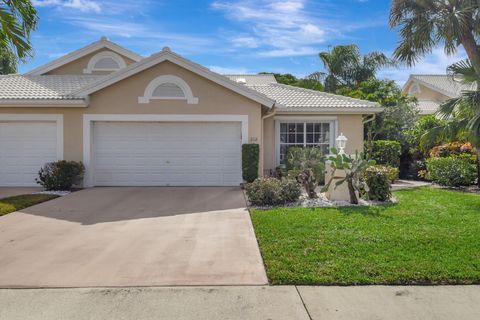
(135, 236)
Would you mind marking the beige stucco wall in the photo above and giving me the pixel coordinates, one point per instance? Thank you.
(77, 66)
(350, 124)
(427, 94)
(122, 98)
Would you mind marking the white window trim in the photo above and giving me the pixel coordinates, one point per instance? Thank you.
(101, 55)
(333, 121)
(57, 118)
(168, 78)
(89, 119)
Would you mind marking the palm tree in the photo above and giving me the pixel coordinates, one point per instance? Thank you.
(425, 24)
(17, 19)
(347, 67)
(462, 114)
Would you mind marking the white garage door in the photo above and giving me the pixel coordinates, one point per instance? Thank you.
(24, 148)
(167, 154)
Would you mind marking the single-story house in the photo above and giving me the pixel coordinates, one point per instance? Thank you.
(160, 120)
(431, 90)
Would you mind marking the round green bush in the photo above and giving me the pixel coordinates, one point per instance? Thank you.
(378, 179)
(272, 192)
(60, 175)
(386, 152)
(452, 171)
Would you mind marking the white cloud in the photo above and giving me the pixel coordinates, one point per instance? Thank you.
(80, 5)
(282, 28)
(244, 41)
(289, 52)
(228, 70)
(435, 63)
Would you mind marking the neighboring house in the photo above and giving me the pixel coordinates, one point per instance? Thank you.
(159, 121)
(432, 90)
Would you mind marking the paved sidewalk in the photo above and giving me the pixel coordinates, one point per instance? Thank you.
(407, 184)
(242, 302)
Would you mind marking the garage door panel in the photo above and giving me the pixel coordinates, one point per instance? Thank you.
(182, 154)
(25, 148)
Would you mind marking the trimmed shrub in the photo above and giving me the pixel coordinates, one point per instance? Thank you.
(452, 171)
(386, 152)
(60, 175)
(250, 158)
(272, 192)
(377, 179)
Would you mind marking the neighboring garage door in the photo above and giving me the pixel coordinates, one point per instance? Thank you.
(167, 154)
(24, 148)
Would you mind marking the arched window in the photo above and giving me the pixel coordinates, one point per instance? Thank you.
(105, 61)
(168, 87)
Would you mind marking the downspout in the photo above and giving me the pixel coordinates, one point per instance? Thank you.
(268, 115)
(365, 121)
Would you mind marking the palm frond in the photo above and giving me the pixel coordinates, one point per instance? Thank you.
(463, 71)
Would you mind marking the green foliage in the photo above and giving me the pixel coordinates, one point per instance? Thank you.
(451, 171)
(386, 152)
(347, 67)
(423, 25)
(310, 82)
(307, 165)
(250, 159)
(399, 113)
(461, 115)
(391, 172)
(8, 63)
(17, 20)
(60, 175)
(378, 179)
(354, 167)
(415, 135)
(272, 192)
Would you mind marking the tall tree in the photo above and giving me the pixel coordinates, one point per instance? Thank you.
(18, 18)
(346, 66)
(425, 24)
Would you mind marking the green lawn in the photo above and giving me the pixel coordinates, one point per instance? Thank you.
(16, 203)
(429, 236)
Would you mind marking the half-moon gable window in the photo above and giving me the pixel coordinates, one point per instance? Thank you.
(105, 61)
(168, 87)
(168, 90)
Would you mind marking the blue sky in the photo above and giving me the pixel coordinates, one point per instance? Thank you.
(228, 36)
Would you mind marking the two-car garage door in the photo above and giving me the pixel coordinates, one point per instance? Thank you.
(166, 153)
(129, 153)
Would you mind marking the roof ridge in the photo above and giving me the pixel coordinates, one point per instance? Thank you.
(248, 74)
(326, 94)
(169, 55)
(429, 74)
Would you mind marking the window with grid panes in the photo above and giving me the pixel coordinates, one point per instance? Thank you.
(304, 134)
